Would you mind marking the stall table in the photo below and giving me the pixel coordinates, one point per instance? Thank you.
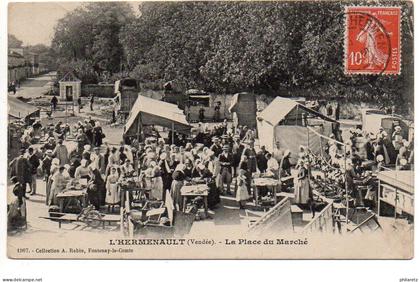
(270, 183)
(190, 191)
(78, 197)
(396, 188)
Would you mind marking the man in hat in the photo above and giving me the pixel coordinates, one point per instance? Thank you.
(61, 152)
(261, 159)
(251, 155)
(226, 171)
(216, 148)
(21, 168)
(46, 164)
(34, 161)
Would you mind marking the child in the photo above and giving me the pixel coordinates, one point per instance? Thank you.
(242, 193)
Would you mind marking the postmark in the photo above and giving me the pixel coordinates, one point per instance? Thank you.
(372, 41)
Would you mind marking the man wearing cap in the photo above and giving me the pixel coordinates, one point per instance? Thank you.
(226, 171)
(216, 148)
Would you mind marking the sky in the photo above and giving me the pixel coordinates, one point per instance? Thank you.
(33, 23)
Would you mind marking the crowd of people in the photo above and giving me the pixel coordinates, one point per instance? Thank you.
(222, 156)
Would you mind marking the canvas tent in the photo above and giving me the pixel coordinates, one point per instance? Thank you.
(373, 120)
(285, 120)
(244, 108)
(148, 111)
(21, 110)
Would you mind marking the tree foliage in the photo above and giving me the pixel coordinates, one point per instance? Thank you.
(274, 48)
(13, 42)
(91, 34)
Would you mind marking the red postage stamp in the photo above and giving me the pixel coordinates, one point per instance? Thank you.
(372, 40)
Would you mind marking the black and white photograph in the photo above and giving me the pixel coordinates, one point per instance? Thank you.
(210, 130)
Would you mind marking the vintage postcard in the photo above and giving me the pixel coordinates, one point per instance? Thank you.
(210, 130)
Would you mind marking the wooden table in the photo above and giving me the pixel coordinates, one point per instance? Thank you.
(270, 183)
(195, 191)
(77, 196)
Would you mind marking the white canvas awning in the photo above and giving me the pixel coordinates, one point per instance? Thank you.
(19, 109)
(148, 111)
(280, 107)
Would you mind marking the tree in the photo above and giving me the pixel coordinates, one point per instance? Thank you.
(91, 34)
(13, 42)
(266, 47)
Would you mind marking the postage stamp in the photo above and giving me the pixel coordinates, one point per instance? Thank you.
(372, 40)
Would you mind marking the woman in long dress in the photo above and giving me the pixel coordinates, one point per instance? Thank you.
(157, 184)
(177, 183)
(112, 191)
(302, 191)
(242, 192)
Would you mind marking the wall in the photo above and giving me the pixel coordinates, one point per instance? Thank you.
(98, 90)
(76, 89)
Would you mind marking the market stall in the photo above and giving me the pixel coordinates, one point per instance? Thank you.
(147, 111)
(396, 193)
(285, 121)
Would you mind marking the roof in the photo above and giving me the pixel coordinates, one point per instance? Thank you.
(19, 109)
(70, 76)
(280, 107)
(155, 112)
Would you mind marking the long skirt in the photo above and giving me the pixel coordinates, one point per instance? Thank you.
(157, 189)
(242, 193)
(112, 195)
(302, 191)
